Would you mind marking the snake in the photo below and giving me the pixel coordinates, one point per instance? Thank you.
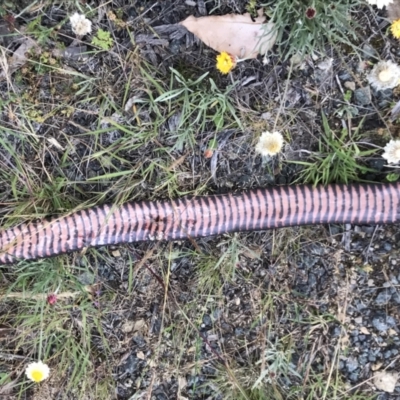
(201, 216)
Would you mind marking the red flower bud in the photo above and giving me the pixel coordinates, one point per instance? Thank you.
(52, 299)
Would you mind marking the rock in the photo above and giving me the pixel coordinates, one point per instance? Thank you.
(87, 278)
(351, 364)
(383, 298)
(175, 46)
(387, 246)
(385, 381)
(377, 164)
(350, 85)
(325, 65)
(383, 322)
(344, 76)
(207, 323)
(362, 96)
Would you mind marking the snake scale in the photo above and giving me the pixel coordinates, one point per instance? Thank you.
(192, 217)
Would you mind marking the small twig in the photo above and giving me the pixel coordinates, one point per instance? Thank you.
(43, 296)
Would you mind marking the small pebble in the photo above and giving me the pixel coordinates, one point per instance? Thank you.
(383, 298)
(350, 85)
(386, 381)
(351, 364)
(383, 323)
(362, 96)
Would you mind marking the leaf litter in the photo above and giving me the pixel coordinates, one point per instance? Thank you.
(239, 35)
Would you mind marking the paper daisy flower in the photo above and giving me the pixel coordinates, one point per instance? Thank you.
(384, 75)
(392, 152)
(225, 62)
(380, 3)
(395, 28)
(80, 24)
(269, 143)
(37, 371)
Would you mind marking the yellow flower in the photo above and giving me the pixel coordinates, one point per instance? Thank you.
(37, 371)
(395, 28)
(225, 62)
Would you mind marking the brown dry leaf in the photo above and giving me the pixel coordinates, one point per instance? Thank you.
(364, 330)
(17, 60)
(236, 34)
(139, 325)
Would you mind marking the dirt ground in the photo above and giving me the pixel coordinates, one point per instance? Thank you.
(297, 313)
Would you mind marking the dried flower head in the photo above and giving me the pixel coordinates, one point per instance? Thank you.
(80, 24)
(380, 3)
(37, 371)
(384, 75)
(392, 152)
(311, 12)
(225, 62)
(269, 143)
(395, 28)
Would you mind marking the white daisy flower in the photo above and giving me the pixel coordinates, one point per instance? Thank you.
(380, 3)
(80, 24)
(37, 371)
(270, 144)
(384, 75)
(392, 152)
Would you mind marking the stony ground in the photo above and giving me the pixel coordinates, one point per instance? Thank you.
(299, 313)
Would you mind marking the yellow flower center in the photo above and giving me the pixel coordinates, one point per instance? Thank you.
(37, 376)
(273, 147)
(384, 75)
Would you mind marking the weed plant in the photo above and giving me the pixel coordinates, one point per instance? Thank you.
(304, 26)
(338, 159)
(200, 104)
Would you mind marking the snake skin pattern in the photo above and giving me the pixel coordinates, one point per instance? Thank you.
(191, 217)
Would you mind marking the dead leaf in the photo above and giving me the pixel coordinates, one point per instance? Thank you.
(152, 363)
(236, 34)
(128, 326)
(177, 162)
(55, 143)
(139, 325)
(18, 59)
(375, 367)
(364, 330)
(253, 252)
(367, 268)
